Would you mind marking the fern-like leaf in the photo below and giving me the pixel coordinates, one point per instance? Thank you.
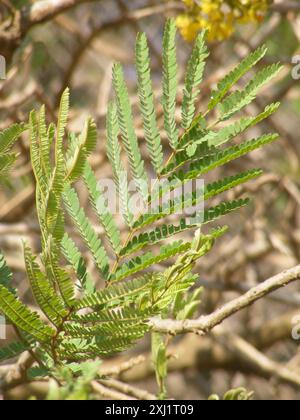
(62, 120)
(35, 156)
(129, 136)
(228, 133)
(112, 295)
(86, 230)
(235, 75)
(9, 136)
(100, 206)
(22, 317)
(114, 156)
(113, 317)
(170, 83)
(140, 263)
(5, 273)
(221, 158)
(146, 97)
(153, 237)
(192, 199)
(44, 293)
(44, 143)
(239, 99)
(59, 276)
(74, 257)
(6, 162)
(12, 350)
(81, 148)
(194, 77)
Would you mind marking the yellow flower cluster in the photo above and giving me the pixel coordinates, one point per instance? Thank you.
(219, 17)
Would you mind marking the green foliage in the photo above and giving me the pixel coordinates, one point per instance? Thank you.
(74, 257)
(99, 205)
(238, 394)
(187, 303)
(80, 148)
(141, 262)
(23, 318)
(128, 134)
(86, 230)
(12, 350)
(194, 77)
(170, 83)
(239, 99)
(146, 96)
(160, 362)
(114, 156)
(43, 291)
(20, 3)
(5, 273)
(83, 322)
(235, 75)
(8, 137)
(78, 389)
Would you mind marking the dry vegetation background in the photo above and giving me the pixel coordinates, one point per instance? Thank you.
(76, 49)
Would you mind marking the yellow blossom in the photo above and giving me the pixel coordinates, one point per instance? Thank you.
(189, 27)
(219, 17)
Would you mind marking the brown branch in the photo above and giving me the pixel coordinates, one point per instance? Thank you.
(286, 6)
(206, 323)
(208, 353)
(257, 361)
(45, 10)
(17, 374)
(190, 352)
(117, 370)
(86, 42)
(106, 393)
(129, 390)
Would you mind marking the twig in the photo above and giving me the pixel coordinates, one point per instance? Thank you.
(86, 42)
(140, 394)
(209, 354)
(122, 368)
(22, 201)
(260, 363)
(281, 296)
(286, 6)
(107, 393)
(104, 91)
(17, 374)
(18, 98)
(206, 323)
(45, 10)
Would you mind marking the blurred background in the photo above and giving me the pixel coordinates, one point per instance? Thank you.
(77, 48)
